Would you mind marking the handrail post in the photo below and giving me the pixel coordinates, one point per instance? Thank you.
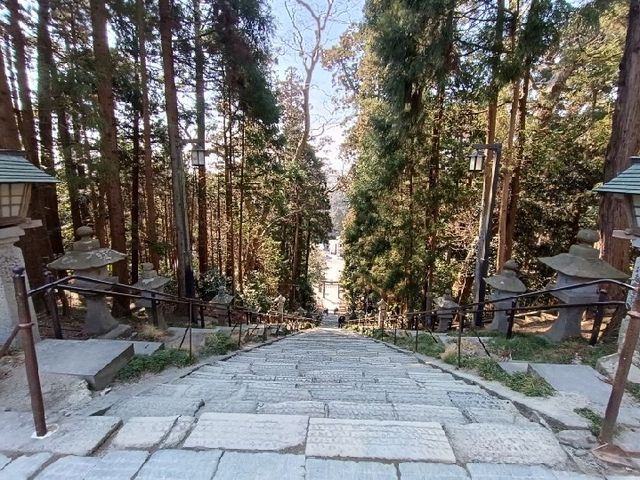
(52, 305)
(154, 310)
(30, 357)
(395, 331)
(461, 318)
(415, 323)
(622, 372)
(240, 335)
(597, 321)
(511, 319)
(190, 330)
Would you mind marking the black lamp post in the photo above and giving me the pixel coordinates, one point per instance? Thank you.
(476, 164)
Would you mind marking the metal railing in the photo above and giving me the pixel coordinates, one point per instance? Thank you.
(625, 352)
(254, 320)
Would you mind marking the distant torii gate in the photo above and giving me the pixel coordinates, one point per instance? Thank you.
(329, 282)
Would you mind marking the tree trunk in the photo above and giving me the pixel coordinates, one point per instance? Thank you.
(35, 243)
(241, 220)
(624, 142)
(185, 272)
(507, 180)
(9, 134)
(517, 171)
(110, 165)
(228, 194)
(70, 170)
(203, 242)
(151, 228)
(135, 197)
(45, 77)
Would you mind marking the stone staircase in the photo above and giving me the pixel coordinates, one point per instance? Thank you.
(321, 405)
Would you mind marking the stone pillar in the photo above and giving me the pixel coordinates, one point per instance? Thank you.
(446, 311)
(150, 280)
(11, 258)
(382, 313)
(505, 284)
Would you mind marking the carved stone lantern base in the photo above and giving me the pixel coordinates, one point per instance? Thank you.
(98, 320)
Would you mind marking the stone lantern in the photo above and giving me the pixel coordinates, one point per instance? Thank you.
(505, 284)
(278, 305)
(581, 264)
(382, 313)
(225, 299)
(17, 175)
(88, 259)
(150, 280)
(446, 311)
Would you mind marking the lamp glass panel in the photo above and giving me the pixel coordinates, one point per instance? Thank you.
(476, 161)
(197, 157)
(14, 200)
(636, 210)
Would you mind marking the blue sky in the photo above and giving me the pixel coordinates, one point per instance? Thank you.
(323, 104)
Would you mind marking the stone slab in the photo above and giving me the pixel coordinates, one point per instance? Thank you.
(68, 468)
(478, 400)
(500, 443)
(439, 398)
(432, 471)
(118, 331)
(514, 367)
(180, 465)
(23, 467)
(260, 466)
(96, 361)
(324, 469)
(118, 465)
(147, 348)
(492, 471)
(143, 432)
(389, 440)
(178, 432)
(155, 406)
(140, 347)
(230, 406)
(575, 476)
(365, 411)
(274, 394)
(77, 436)
(309, 408)
(15, 428)
(490, 415)
(240, 431)
(609, 365)
(407, 412)
(580, 379)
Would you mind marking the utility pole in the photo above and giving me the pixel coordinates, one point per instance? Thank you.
(486, 232)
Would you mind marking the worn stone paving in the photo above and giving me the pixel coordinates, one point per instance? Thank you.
(322, 405)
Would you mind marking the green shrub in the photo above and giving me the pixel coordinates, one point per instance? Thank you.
(218, 343)
(634, 390)
(593, 417)
(534, 348)
(155, 363)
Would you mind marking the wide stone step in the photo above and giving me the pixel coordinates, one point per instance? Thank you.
(228, 465)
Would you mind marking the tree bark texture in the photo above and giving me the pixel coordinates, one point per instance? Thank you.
(185, 272)
(110, 165)
(624, 142)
